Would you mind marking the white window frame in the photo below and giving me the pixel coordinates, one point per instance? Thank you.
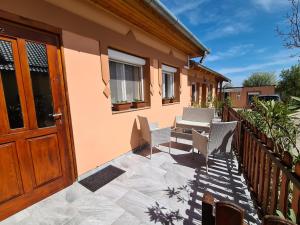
(123, 84)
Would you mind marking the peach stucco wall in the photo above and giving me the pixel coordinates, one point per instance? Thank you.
(243, 101)
(100, 135)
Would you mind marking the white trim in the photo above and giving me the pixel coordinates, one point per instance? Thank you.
(126, 58)
(254, 93)
(169, 69)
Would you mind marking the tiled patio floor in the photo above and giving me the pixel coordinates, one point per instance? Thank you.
(166, 188)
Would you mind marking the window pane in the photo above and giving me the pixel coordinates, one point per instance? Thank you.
(40, 80)
(168, 85)
(133, 83)
(117, 80)
(10, 87)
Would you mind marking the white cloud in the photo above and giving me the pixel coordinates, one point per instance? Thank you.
(276, 60)
(230, 29)
(234, 51)
(268, 5)
(186, 6)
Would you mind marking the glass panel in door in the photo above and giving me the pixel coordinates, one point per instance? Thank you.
(10, 87)
(40, 81)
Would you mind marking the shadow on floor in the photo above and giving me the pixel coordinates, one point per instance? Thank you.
(223, 181)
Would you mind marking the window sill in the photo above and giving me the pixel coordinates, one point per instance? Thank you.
(130, 110)
(173, 103)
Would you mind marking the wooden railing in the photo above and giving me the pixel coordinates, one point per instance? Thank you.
(269, 176)
(230, 213)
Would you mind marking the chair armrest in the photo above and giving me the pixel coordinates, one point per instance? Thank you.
(200, 141)
(160, 136)
(216, 119)
(153, 126)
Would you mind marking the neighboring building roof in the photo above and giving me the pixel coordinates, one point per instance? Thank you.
(195, 65)
(164, 11)
(239, 89)
(37, 56)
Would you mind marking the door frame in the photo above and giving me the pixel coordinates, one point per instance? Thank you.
(33, 25)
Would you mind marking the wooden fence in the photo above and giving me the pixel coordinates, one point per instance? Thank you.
(270, 177)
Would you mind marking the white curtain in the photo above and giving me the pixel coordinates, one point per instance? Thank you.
(133, 83)
(168, 85)
(164, 85)
(125, 82)
(116, 82)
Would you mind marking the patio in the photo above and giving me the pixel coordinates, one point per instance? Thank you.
(165, 190)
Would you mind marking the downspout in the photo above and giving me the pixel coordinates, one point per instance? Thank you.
(203, 57)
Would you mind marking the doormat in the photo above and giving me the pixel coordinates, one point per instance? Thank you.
(100, 178)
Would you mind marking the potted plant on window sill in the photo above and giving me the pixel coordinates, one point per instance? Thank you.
(172, 99)
(165, 100)
(121, 105)
(138, 103)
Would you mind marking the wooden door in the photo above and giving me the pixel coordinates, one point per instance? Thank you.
(34, 155)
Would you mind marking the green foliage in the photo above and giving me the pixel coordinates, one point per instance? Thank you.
(279, 125)
(121, 102)
(280, 214)
(273, 119)
(137, 100)
(294, 104)
(228, 102)
(289, 84)
(260, 79)
(291, 215)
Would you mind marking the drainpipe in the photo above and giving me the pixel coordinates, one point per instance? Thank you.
(203, 57)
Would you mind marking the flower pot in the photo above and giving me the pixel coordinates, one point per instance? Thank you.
(138, 104)
(165, 101)
(121, 106)
(171, 100)
(287, 159)
(297, 168)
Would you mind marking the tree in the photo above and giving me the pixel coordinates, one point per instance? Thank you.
(260, 79)
(289, 84)
(291, 36)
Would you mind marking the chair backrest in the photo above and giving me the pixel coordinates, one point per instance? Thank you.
(228, 213)
(198, 114)
(276, 220)
(145, 128)
(220, 137)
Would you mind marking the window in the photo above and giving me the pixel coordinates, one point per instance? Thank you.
(168, 84)
(251, 95)
(126, 77)
(238, 96)
(168, 81)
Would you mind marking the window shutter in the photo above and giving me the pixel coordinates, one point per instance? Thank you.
(123, 57)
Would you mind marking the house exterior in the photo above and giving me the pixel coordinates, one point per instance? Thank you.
(67, 69)
(240, 96)
(205, 83)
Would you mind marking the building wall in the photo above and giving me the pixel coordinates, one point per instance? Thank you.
(202, 81)
(242, 101)
(99, 134)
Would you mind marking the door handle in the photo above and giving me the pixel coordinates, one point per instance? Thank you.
(56, 116)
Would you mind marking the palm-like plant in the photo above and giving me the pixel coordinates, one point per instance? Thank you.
(294, 104)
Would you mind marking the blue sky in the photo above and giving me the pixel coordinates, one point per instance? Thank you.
(240, 34)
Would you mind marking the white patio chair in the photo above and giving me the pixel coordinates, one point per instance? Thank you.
(154, 135)
(219, 139)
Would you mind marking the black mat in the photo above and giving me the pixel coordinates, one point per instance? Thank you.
(102, 177)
